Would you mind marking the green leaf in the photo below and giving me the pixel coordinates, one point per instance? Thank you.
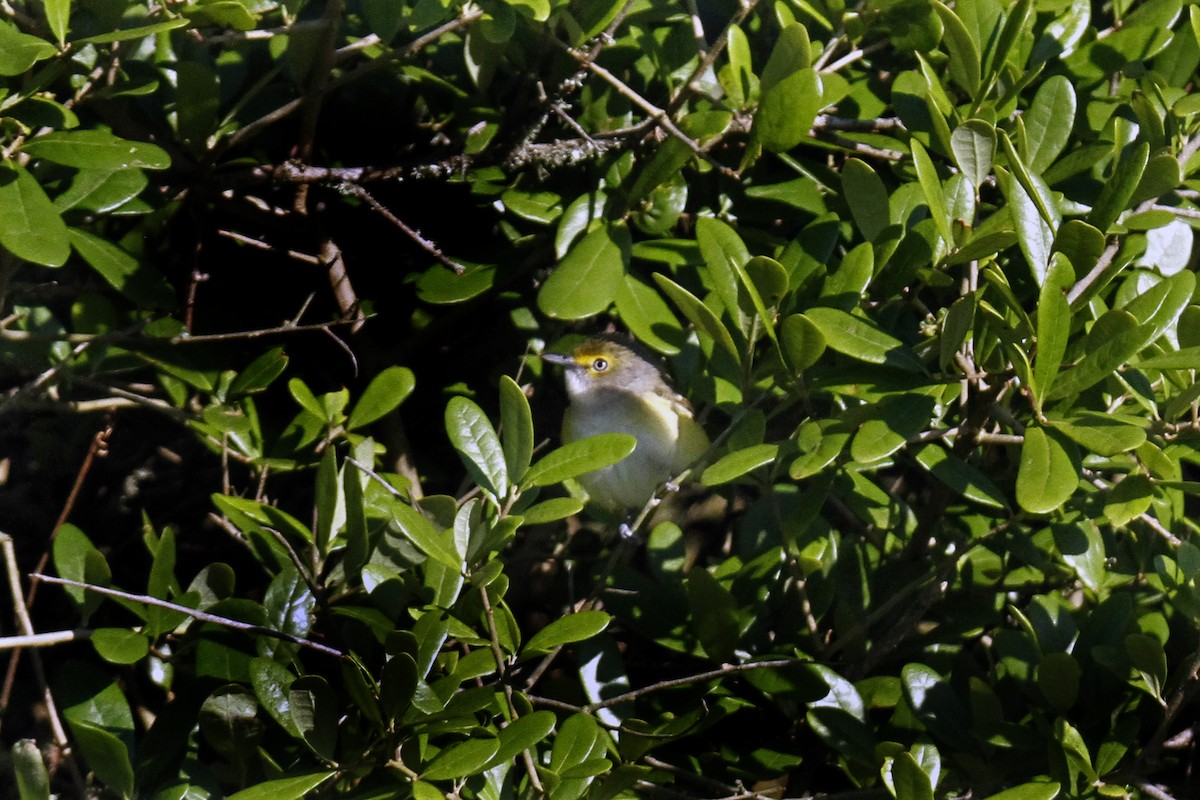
(867, 197)
(790, 54)
(648, 316)
(586, 280)
(440, 285)
(77, 559)
(96, 149)
(845, 286)
(58, 15)
(138, 281)
(1128, 499)
(140, 32)
(956, 327)
(397, 685)
(293, 788)
(476, 441)
(516, 428)
(271, 681)
(1100, 433)
(1187, 358)
(726, 255)
(432, 542)
(385, 392)
(576, 458)
(803, 343)
(1113, 340)
(714, 615)
(906, 778)
(30, 227)
(935, 702)
(120, 645)
(787, 111)
(900, 418)
(566, 630)
(102, 190)
(738, 463)
(1116, 192)
(859, 339)
(960, 476)
(522, 734)
(1159, 307)
(1034, 234)
(259, 373)
(106, 755)
(964, 53)
(1053, 325)
(931, 187)
(312, 704)
(1037, 790)
(1048, 122)
(974, 146)
(1047, 475)
(1150, 660)
(552, 510)
(33, 782)
(1058, 678)
(699, 314)
(20, 51)
(540, 207)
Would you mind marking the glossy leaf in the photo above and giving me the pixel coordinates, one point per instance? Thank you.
(648, 316)
(867, 198)
(516, 428)
(736, 464)
(477, 444)
(1119, 188)
(566, 630)
(119, 645)
(96, 149)
(1048, 123)
(1046, 476)
(974, 145)
(585, 282)
(421, 532)
(803, 342)
(291, 788)
(20, 51)
(1053, 325)
(30, 227)
(960, 476)
(698, 314)
(858, 339)
(931, 186)
(575, 458)
(787, 110)
(383, 394)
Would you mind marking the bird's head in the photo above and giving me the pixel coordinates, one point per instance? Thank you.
(600, 362)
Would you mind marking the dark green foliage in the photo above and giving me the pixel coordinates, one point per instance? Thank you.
(926, 271)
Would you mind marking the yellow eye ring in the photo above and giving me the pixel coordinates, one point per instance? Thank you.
(599, 364)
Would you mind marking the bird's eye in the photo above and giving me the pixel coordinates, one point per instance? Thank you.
(600, 364)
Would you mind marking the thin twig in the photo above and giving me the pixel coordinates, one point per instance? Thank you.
(25, 624)
(429, 247)
(43, 639)
(203, 616)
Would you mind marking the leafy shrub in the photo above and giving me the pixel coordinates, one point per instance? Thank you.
(926, 271)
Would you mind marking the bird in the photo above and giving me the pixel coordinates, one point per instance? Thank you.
(613, 388)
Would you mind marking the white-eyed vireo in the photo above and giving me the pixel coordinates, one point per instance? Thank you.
(614, 389)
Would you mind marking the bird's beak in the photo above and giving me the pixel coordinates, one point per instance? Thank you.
(557, 358)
